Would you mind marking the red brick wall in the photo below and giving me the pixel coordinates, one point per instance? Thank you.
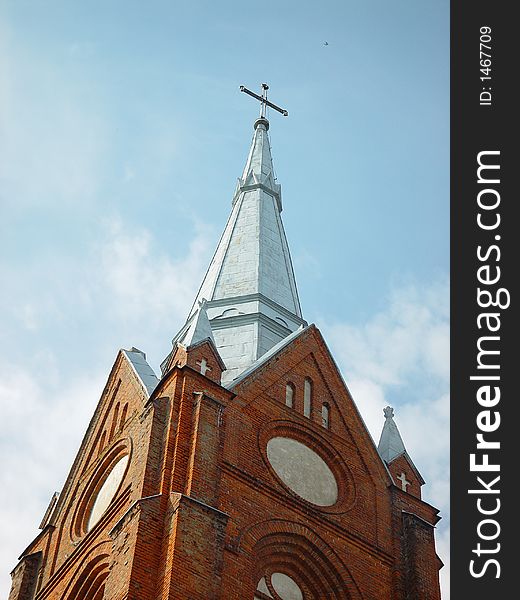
(24, 577)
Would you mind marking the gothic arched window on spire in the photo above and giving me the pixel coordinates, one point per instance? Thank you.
(307, 398)
(325, 415)
(289, 395)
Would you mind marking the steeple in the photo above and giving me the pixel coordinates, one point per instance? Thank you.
(250, 290)
(197, 327)
(391, 443)
(211, 469)
(392, 451)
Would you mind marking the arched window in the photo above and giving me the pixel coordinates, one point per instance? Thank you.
(307, 398)
(289, 395)
(278, 585)
(325, 415)
(106, 492)
(90, 585)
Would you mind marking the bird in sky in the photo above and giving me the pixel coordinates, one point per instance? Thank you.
(325, 43)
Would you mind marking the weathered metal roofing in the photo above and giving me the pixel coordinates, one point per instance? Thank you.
(142, 369)
(198, 328)
(391, 443)
(259, 164)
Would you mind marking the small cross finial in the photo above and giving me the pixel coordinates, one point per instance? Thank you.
(388, 411)
(264, 101)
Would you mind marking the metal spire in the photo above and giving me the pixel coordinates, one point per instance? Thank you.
(391, 446)
(391, 443)
(252, 300)
(199, 328)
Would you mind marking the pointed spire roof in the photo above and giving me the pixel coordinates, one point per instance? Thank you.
(197, 328)
(253, 255)
(391, 443)
(250, 290)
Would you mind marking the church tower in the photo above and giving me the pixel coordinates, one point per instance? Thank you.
(245, 471)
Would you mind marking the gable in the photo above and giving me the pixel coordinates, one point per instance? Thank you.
(312, 395)
(292, 456)
(307, 357)
(202, 357)
(405, 474)
(128, 387)
(101, 467)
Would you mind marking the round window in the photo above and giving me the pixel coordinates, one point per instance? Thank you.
(302, 471)
(281, 585)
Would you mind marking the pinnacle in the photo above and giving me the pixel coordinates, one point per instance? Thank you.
(391, 443)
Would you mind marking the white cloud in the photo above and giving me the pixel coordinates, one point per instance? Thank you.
(410, 336)
(127, 285)
(143, 283)
(27, 313)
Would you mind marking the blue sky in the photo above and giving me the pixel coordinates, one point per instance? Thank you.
(123, 133)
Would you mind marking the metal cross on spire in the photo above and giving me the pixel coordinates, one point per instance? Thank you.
(264, 102)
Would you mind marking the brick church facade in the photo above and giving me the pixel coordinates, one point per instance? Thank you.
(244, 471)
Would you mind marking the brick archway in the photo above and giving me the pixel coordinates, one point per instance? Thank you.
(88, 581)
(91, 582)
(294, 549)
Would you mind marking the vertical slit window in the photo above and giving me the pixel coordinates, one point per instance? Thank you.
(289, 395)
(325, 415)
(307, 398)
